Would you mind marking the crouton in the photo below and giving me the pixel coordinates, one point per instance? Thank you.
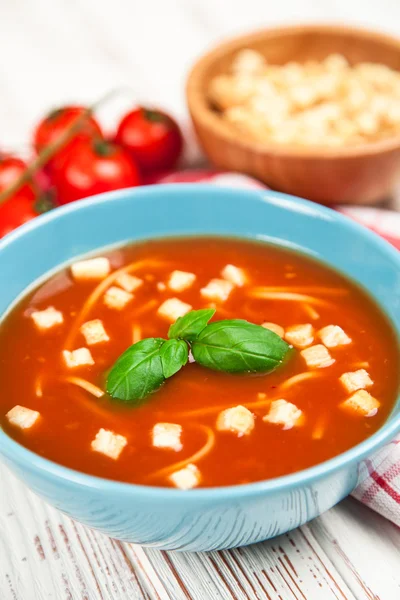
(361, 403)
(22, 417)
(300, 336)
(234, 275)
(173, 308)
(181, 280)
(237, 419)
(167, 435)
(275, 328)
(317, 357)
(356, 380)
(333, 335)
(78, 358)
(94, 332)
(186, 478)
(109, 443)
(217, 289)
(47, 318)
(117, 298)
(284, 413)
(127, 282)
(92, 268)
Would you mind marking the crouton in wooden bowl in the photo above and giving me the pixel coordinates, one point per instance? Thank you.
(310, 110)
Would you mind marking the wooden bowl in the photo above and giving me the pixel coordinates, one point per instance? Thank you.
(361, 174)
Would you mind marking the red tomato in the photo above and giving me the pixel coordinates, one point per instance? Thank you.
(20, 208)
(11, 169)
(15, 212)
(54, 124)
(153, 138)
(95, 167)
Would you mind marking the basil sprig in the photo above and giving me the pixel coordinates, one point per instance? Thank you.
(232, 346)
(174, 355)
(237, 346)
(191, 325)
(137, 372)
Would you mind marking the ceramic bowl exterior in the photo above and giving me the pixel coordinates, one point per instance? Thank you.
(210, 518)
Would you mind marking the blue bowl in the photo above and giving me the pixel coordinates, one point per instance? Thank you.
(213, 518)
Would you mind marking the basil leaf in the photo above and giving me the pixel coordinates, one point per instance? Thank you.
(236, 346)
(190, 325)
(137, 372)
(174, 355)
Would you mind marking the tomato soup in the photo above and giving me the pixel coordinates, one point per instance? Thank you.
(201, 426)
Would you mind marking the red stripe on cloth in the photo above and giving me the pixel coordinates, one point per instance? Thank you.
(370, 493)
(392, 472)
(382, 483)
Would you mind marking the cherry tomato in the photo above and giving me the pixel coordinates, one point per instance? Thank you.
(153, 138)
(54, 124)
(95, 167)
(11, 169)
(15, 212)
(20, 207)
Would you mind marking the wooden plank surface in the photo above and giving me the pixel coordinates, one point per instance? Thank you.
(57, 51)
(348, 553)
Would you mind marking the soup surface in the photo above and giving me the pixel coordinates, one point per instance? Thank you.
(320, 412)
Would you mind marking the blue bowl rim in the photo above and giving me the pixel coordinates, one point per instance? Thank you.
(21, 455)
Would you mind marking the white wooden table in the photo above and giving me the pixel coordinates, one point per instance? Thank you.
(57, 51)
